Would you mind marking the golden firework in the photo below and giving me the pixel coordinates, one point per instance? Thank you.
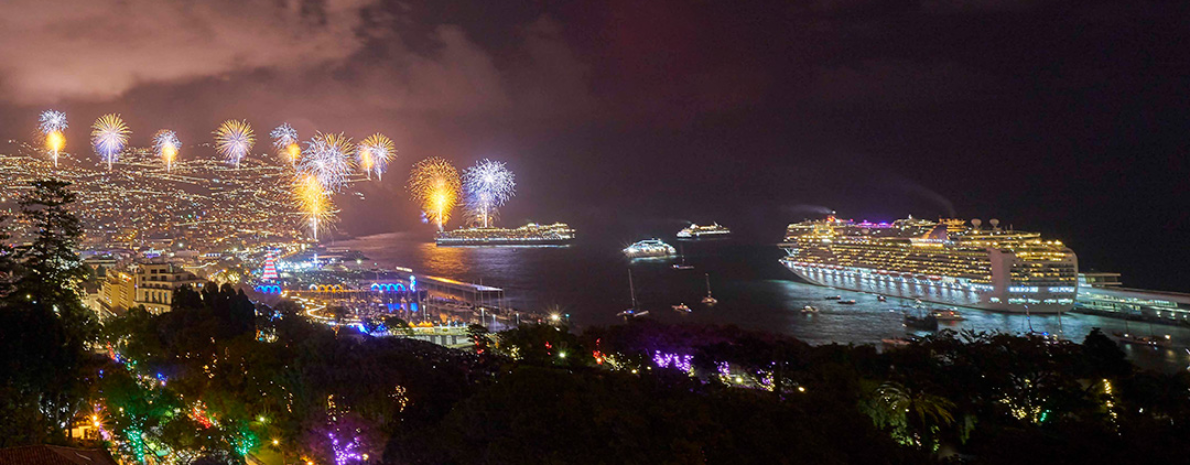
(434, 183)
(313, 201)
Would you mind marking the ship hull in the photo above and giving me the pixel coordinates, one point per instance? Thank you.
(939, 292)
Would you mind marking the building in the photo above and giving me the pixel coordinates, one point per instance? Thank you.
(1104, 293)
(155, 284)
(117, 292)
(149, 284)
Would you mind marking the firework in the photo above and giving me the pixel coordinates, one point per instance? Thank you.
(234, 139)
(53, 122)
(328, 158)
(487, 185)
(374, 154)
(166, 144)
(314, 201)
(108, 136)
(434, 183)
(285, 139)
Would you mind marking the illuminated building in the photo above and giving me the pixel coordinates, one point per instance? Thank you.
(1103, 293)
(156, 283)
(943, 262)
(117, 291)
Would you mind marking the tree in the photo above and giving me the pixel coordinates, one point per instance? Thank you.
(45, 329)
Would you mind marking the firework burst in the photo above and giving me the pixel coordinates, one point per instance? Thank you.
(487, 186)
(374, 154)
(234, 140)
(108, 136)
(434, 183)
(328, 158)
(285, 140)
(52, 121)
(166, 144)
(314, 202)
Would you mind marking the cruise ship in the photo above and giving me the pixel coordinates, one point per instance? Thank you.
(946, 262)
(650, 248)
(525, 236)
(695, 231)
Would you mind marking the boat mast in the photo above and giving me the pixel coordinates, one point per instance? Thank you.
(631, 289)
(708, 277)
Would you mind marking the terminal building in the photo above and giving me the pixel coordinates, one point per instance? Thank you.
(1105, 294)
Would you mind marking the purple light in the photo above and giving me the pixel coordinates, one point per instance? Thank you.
(680, 362)
(724, 369)
(347, 452)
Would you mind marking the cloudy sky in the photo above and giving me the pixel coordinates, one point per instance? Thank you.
(1068, 117)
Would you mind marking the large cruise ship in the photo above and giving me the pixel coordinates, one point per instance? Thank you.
(524, 236)
(946, 261)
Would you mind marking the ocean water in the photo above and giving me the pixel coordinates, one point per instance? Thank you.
(588, 281)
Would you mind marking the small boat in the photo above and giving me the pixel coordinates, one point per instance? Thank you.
(947, 315)
(809, 309)
(925, 323)
(833, 297)
(881, 298)
(682, 265)
(681, 308)
(847, 302)
(1150, 341)
(709, 300)
(894, 342)
(630, 313)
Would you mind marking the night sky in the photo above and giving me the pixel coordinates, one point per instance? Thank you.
(1067, 117)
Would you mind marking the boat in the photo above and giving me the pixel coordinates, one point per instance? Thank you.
(833, 297)
(681, 308)
(626, 314)
(949, 262)
(1149, 341)
(650, 248)
(632, 312)
(530, 235)
(925, 323)
(894, 342)
(947, 315)
(709, 300)
(695, 231)
(682, 265)
(881, 298)
(847, 302)
(1152, 340)
(809, 309)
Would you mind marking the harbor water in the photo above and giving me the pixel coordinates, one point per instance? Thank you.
(588, 283)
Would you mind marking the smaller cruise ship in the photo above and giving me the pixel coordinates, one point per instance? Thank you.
(650, 248)
(525, 236)
(695, 231)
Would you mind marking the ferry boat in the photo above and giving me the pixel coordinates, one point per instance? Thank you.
(650, 248)
(946, 262)
(529, 235)
(695, 231)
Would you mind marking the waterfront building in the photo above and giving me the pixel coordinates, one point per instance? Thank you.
(1105, 294)
(943, 261)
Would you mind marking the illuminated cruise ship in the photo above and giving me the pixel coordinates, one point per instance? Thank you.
(524, 236)
(650, 248)
(695, 231)
(945, 262)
